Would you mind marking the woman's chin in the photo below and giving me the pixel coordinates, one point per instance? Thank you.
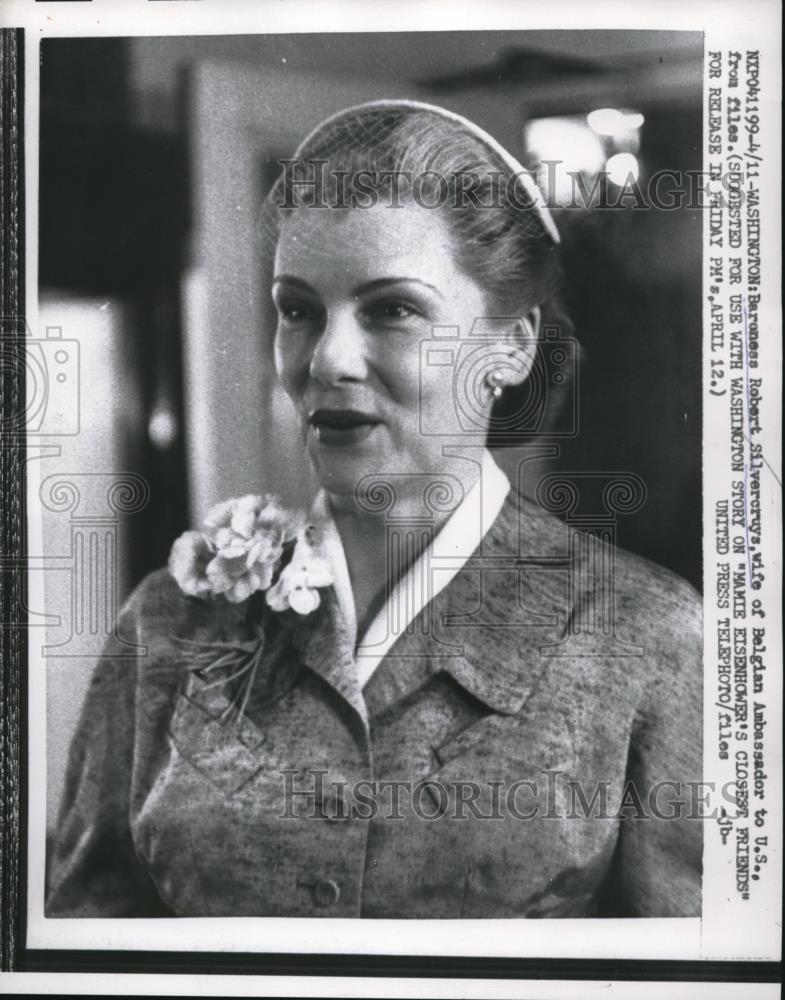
(341, 470)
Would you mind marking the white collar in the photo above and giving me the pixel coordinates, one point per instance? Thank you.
(429, 574)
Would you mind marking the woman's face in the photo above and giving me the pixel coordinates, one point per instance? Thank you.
(357, 292)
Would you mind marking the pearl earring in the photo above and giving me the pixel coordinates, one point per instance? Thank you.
(495, 381)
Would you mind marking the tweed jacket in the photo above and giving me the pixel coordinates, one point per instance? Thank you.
(524, 749)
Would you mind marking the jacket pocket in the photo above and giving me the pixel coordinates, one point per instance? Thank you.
(528, 745)
(458, 744)
(226, 751)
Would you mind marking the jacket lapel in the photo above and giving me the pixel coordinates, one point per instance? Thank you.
(325, 646)
(486, 629)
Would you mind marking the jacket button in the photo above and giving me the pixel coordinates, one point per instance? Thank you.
(326, 892)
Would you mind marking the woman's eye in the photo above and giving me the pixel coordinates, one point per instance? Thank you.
(296, 312)
(392, 309)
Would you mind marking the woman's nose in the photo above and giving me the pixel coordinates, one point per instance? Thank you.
(339, 353)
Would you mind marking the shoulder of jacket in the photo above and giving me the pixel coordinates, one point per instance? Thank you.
(652, 603)
(549, 536)
(158, 608)
(654, 582)
(156, 593)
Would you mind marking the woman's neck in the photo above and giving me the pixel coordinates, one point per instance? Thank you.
(366, 546)
(380, 547)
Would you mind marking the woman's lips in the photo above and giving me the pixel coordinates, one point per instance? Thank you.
(342, 427)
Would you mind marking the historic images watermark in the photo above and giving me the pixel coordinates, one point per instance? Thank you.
(311, 183)
(307, 794)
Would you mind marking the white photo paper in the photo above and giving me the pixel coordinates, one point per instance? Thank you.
(403, 479)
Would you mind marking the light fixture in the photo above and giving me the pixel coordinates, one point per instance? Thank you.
(622, 168)
(613, 122)
(162, 428)
(564, 147)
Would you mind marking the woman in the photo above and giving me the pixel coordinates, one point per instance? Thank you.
(423, 702)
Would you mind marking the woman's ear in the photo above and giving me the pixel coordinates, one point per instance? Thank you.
(532, 321)
(524, 335)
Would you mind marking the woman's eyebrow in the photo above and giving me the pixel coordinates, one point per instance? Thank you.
(367, 286)
(291, 280)
(370, 286)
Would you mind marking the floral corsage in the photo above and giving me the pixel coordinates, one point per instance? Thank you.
(240, 552)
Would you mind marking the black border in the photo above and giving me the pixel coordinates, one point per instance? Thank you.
(13, 646)
(14, 955)
(403, 966)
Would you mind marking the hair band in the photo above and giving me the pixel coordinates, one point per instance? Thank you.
(524, 176)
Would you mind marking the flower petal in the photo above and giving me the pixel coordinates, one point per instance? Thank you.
(240, 591)
(303, 600)
(220, 515)
(276, 597)
(188, 560)
(245, 513)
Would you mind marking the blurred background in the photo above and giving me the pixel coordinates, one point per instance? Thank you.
(155, 156)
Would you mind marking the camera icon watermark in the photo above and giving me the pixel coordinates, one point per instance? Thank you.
(48, 368)
(524, 411)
